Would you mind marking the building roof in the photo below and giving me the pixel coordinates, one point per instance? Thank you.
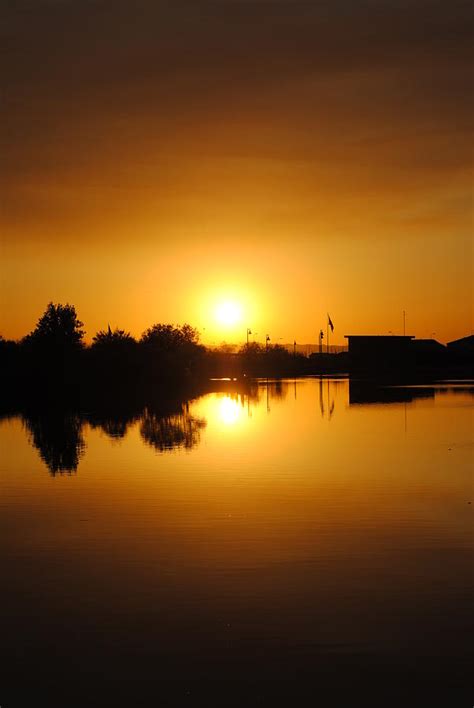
(467, 342)
(428, 344)
(379, 336)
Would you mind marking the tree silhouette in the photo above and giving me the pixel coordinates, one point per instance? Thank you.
(167, 337)
(273, 359)
(171, 351)
(58, 328)
(251, 349)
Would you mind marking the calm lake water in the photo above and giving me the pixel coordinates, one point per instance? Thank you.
(300, 538)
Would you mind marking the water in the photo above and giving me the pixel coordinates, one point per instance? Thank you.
(295, 538)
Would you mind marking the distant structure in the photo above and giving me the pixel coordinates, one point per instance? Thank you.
(375, 352)
(428, 352)
(394, 353)
(462, 347)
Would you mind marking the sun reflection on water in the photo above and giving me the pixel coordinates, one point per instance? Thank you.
(229, 411)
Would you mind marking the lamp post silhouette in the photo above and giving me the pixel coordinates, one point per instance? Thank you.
(267, 340)
(249, 331)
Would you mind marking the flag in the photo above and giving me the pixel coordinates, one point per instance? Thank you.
(330, 323)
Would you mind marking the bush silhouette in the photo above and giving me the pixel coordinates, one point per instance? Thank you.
(117, 340)
(113, 359)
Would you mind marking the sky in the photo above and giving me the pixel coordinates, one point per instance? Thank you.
(159, 159)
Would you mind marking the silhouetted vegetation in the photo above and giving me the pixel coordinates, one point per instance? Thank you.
(54, 362)
(49, 357)
(271, 360)
(112, 359)
(173, 351)
(58, 330)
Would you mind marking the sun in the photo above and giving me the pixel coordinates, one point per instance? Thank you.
(228, 313)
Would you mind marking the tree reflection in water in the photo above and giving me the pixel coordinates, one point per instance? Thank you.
(115, 425)
(166, 424)
(171, 431)
(58, 438)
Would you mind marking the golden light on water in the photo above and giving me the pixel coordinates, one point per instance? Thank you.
(229, 411)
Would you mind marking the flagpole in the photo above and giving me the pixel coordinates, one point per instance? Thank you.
(329, 324)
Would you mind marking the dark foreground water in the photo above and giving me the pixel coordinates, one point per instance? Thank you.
(307, 542)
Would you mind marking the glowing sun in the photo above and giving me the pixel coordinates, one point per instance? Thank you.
(228, 313)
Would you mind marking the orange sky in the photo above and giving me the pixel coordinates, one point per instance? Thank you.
(295, 157)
